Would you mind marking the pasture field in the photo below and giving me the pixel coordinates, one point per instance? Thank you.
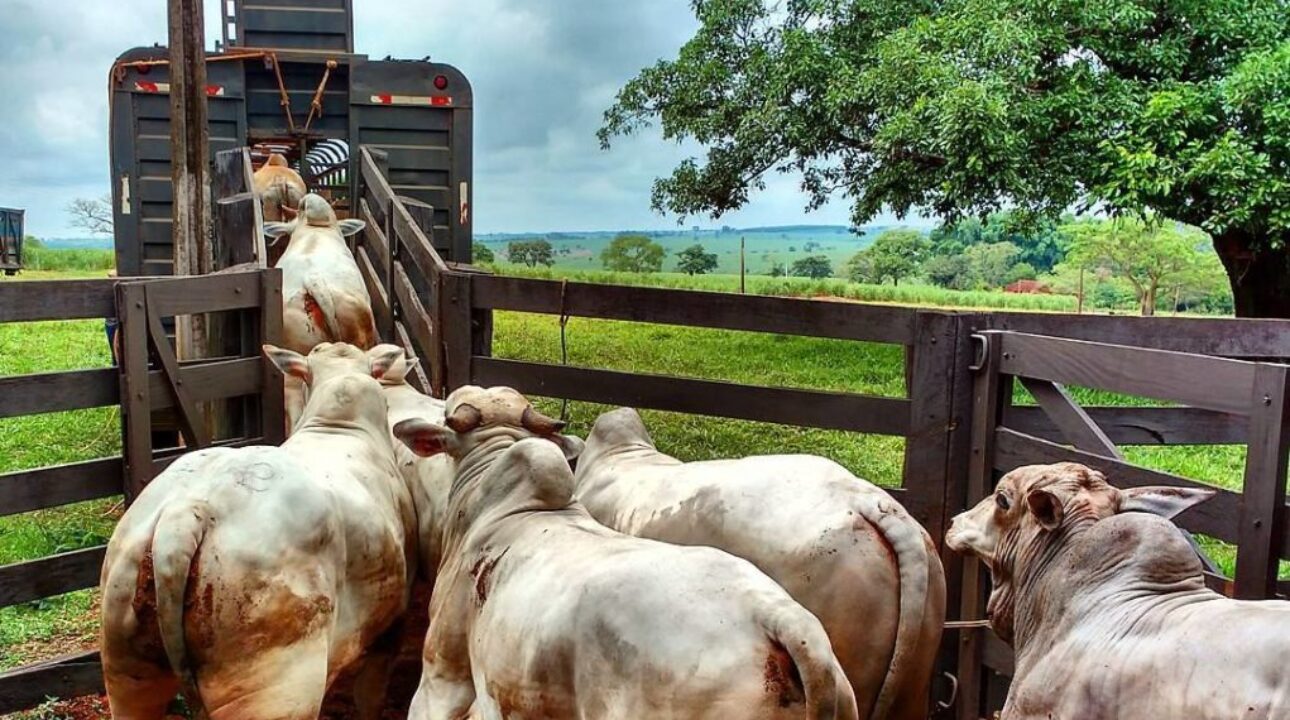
(764, 246)
(827, 288)
(56, 626)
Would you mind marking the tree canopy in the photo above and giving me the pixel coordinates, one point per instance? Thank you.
(1152, 257)
(482, 253)
(695, 261)
(896, 254)
(1178, 108)
(530, 252)
(633, 253)
(812, 266)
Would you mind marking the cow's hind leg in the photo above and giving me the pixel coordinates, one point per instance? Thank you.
(285, 683)
(143, 694)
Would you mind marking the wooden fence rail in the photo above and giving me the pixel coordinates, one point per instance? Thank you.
(1248, 401)
(149, 380)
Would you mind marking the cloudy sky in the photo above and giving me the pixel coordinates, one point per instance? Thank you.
(543, 72)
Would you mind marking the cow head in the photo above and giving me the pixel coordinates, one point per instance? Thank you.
(314, 211)
(329, 360)
(341, 381)
(474, 414)
(1035, 507)
(397, 373)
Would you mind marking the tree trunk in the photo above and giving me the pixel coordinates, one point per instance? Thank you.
(1259, 275)
(1149, 301)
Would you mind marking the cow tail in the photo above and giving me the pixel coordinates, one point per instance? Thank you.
(919, 586)
(175, 544)
(796, 632)
(327, 304)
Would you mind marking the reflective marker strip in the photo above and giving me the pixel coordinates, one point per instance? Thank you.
(431, 100)
(156, 87)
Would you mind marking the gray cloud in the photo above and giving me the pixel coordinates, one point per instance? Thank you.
(543, 71)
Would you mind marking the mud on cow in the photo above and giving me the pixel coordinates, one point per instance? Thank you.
(323, 294)
(1104, 601)
(253, 577)
(842, 547)
(542, 612)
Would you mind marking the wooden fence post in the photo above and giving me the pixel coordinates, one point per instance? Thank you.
(392, 243)
(939, 386)
(992, 393)
(136, 405)
(272, 412)
(1263, 496)
(457, 328)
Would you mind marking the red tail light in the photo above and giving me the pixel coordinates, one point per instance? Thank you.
(441, 82)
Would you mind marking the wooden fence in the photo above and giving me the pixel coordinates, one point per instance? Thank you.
(148, 381)
(960, 425)
(953, 455)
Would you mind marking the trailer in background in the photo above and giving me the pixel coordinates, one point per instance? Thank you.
(11, 240)
(286, 79)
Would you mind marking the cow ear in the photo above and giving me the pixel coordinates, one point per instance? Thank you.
(1046, 507)
(275, 230)
(382, 358)
(1167, 502)
(426, 438)
(289, 362)
(351, 227)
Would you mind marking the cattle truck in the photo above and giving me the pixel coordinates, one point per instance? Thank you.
(286, 79)
(10, 240)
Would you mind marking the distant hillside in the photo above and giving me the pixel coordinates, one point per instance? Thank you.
(764, 246)
(100, 243)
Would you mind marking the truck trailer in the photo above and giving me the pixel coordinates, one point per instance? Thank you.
(286, 79)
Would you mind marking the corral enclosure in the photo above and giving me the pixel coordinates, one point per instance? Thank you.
(957, 418)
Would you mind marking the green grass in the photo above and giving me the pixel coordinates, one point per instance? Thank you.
(83, 260)
(51, 439)
(921, 295)
(723, 355)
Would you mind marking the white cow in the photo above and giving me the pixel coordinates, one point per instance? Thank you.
(1104, 601)
(429, 478)
(253, 577)
(841, 546)
(279, 188)
(541, 612)
(323, 294)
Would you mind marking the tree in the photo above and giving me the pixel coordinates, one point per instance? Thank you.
(1174, 109)
(896, 254)
(991, 263)
(861, 269)
(482, 253)
(530, 252)
(694, 261)
(812, 266)
(778, 269)
(632, 253)
(1150, 256)
(950, 271)
(94, 216)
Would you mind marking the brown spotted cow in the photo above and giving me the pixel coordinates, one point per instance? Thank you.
(279, 189)
(252, 578)
(1104, 601)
